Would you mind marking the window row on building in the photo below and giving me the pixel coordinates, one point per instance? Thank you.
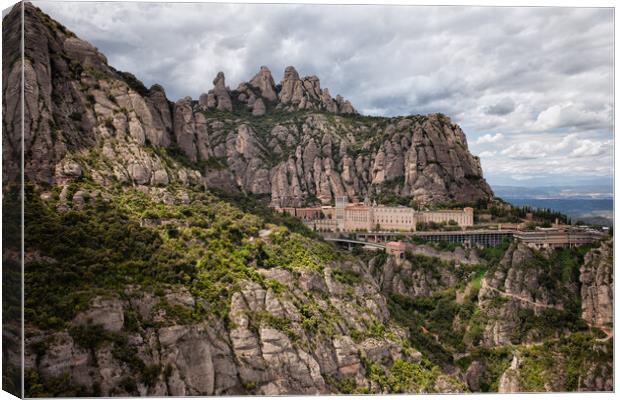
(351, 217)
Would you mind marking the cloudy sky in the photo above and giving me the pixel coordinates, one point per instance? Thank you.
(531, 87)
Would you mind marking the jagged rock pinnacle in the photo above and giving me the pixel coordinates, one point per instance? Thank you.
(221, 93)
(264, 81)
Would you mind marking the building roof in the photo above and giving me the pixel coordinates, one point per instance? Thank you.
(445, 211)
(358, 206)
(396, 245)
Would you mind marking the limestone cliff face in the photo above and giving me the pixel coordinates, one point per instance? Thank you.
(410, 279)
(528, 301)
(291, 140)
(251, 354)
(518, 284)
(82, 117)
(543, 283)
(322, 156)
(597, 290)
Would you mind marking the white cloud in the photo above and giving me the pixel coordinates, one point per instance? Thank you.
(488, 138)
(525, 151)
(570, 147)
(570, 115)
(487, 154)
(588, 148)
(551, 158)
(567, 142)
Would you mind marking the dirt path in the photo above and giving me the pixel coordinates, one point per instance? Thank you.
(608, 331)
(525, 300)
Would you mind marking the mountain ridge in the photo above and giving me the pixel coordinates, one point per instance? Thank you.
(291, 141)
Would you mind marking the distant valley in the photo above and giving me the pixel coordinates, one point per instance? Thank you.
(590, 204)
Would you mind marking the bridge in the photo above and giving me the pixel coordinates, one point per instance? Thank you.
(352, 241)
(480, 237)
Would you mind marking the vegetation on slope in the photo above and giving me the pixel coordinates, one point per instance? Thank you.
(214, 241)
(449, 333)
(210, 245)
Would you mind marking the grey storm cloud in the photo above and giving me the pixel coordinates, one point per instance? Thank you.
(540, 70)
(503, 107)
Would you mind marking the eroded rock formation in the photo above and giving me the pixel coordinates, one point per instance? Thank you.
(597, 290)
(307, 146)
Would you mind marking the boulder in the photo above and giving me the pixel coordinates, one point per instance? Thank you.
(258, 109)
(107, 312)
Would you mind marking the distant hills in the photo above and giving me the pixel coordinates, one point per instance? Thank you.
(555, 192)
(590, 204)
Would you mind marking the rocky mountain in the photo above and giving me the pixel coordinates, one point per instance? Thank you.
(253, 354)
(597, 290)
(510, 318)
(143, 277)
(292, 141)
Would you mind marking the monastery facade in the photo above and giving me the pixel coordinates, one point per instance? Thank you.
(351, 217)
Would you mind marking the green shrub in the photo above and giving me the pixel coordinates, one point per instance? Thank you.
(346, 277)
(88, 337)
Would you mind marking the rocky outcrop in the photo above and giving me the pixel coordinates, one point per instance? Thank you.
(597, 377)
(411, 279)
(218, 97)
(306, 93)
(458, 256)
(265, 83)
(259, 109)
(545, 368)
(425, 271)
(473, 375)
(509, 381)
(517, 284)
(327, 157)
(267, 347)
(80, 110)
(221, 93)
(107, 313)
(190, 131)
(82, 116)
(597, 286)
(293, 93)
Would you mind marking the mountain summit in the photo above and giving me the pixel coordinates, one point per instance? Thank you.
(292, 140)
(293, 93)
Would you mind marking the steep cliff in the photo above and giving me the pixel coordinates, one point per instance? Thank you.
(527, 292)
(84, 119)
(508, 319)
(535, 299)
(597, 290)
